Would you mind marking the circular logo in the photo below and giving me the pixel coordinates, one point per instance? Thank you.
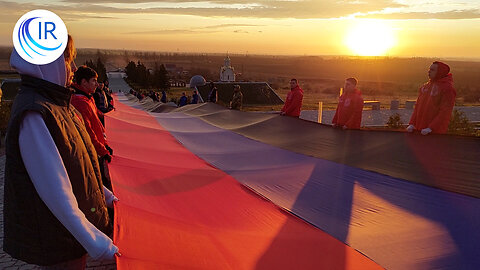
(40, 37)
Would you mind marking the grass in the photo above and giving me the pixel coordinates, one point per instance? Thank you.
(311, 99)
(176, 92)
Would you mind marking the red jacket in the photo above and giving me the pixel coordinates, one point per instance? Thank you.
(349, 110)
(434, 105)
(85, 104)
(293, 104)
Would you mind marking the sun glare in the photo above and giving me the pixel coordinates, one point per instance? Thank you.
(370, 38)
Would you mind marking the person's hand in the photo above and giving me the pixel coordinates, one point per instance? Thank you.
(426, 131)
(107, 158)
(410, 128)
(109, 254)
(345, 127)
(111, 201)
(110, 150)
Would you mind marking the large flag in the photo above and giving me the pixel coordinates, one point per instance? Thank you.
(203, 187)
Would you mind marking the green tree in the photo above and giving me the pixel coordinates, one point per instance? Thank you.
(101, 70)
(395, 121)
(161, 78)
(143, 75)
(460, 125)
(131, 71)
(90, 64)
(99, 67)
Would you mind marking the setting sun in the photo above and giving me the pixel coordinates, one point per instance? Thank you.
(372, 38)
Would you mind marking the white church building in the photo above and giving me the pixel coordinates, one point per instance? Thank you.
(227, 72)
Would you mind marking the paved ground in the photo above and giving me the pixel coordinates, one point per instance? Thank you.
(117, 83)
(380, 117)
(7, 262)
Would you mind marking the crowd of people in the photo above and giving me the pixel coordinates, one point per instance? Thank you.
(235, 104)
(431, 114)
(155, 96)
(141, 95)
(57, 184)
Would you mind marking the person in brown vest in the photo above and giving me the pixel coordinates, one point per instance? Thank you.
(55, 208)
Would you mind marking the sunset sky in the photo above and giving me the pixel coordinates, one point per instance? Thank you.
(440, 28)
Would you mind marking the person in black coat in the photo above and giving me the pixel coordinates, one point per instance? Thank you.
(164, 97)
(213, 96)
(195, 97)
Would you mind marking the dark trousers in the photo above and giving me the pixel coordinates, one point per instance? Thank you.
(107, 182)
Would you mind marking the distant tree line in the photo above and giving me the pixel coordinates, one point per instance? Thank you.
(205, 72)
(139, 74)
(99, 67)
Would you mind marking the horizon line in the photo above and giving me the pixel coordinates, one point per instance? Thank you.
(453, 58)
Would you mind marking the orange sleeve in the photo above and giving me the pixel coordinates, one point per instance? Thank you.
(87, 114)
(295, 103)
(287, 103)
(442, 119)
(355, 119)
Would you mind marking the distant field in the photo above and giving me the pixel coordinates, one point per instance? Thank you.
(321, 77)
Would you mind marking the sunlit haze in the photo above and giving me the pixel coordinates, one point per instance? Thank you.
(371, 38)
(406, 28)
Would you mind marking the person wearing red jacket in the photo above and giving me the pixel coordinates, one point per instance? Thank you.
(293, 104)
(435, 102)
(350, 107)
(85, 83)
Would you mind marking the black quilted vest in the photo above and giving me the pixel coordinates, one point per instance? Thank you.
(31, 232)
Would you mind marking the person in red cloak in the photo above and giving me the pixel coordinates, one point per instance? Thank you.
(293, 103)
(350, 107)
(435, 102)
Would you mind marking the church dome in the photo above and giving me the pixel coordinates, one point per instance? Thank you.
(197, 80)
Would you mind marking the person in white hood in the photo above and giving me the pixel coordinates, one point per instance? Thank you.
(55, 206)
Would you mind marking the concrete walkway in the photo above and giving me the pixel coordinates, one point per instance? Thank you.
(117, 83)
